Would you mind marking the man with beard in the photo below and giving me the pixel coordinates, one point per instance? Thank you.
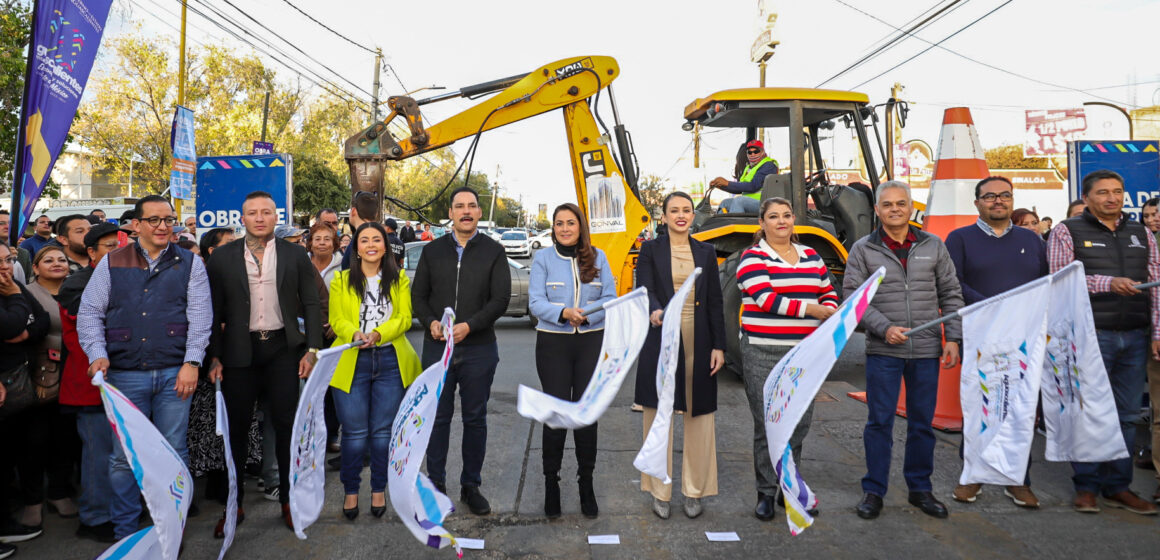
(70, 233)
(991, 257)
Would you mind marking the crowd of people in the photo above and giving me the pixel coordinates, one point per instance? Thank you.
(163, 318)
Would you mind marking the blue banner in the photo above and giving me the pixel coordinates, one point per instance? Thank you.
(184, 154)
(224, 181)
(65, 37)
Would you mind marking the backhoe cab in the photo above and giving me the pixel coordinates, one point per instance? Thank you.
(829, 217)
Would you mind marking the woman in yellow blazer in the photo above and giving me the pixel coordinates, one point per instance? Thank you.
(371, 304)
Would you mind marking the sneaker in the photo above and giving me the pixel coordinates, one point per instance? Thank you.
(636, 408)
(475, 501)
(101, 533)
(6, 550)
(693, 507)
(1022, 496)
(1085, 502)
(1131, 502)
(967, 493)
(271, 494)
(13, 532)
(661, 508)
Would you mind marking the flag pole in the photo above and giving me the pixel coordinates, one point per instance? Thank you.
(1147, 285)
(177, 203)
(932, 324)
(17, 220)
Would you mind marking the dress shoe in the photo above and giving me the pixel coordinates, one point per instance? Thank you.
(1130, 501)
(967, 493)
(780, 502)
(552, 496)
(286, 517)
(475, 501)
(352, 512)
(1022, 496)
(378, 511)
(441, 487)
(1085, 502)
(219, 530)
(765, 509)
(334, 463)
(588, 505)
(693, 507)
(870, 506)
(101, 533)
(929, 505)
(661, 508)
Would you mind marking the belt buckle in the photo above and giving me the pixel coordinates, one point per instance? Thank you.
(264, 335)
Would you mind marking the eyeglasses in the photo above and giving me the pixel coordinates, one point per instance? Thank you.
(753, 151)
(110, 245)
(157, 220)
(10, 261)
(1005, 196)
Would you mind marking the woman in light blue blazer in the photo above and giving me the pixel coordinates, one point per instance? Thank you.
(570, 275)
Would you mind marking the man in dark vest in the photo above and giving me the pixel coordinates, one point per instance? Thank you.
(1117, 253)
(149, 337)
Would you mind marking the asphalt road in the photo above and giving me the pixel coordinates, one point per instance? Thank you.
(833, 464)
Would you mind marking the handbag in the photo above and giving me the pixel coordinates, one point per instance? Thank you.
(46, 379)
(20, 392)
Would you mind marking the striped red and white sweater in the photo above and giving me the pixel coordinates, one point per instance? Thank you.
(774, 294)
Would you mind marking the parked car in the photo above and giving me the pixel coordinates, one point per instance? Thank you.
(516, 243)
(542, 239)
(517, 306)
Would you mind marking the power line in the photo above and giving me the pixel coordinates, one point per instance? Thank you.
(963, 56)
(328, 28)
(899, 38)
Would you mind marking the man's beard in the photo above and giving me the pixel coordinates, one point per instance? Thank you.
(78, 249)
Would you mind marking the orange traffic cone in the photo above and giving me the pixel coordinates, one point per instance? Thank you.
(959, 165)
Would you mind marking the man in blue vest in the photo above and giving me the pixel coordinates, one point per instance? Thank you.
(149, 337)
(1117, 253)
(749, 180)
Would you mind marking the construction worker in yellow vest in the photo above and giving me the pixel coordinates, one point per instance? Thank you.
(749, 182)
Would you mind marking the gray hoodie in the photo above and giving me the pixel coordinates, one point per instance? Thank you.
(909, 297)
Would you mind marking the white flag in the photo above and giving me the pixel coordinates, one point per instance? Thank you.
(653, 458)
(420, 506)
(142, 545)
(222, 428)
(1003, 349)
(625, 328)
(308, 443)
(1078, 407)
(791, 386)
(161, 474)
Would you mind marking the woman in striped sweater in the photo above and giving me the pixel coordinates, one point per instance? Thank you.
(785, 294)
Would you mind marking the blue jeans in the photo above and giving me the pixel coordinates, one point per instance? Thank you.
(883, 376)
(152, 392)
(1125, 356)
(367, 412)
(96, 448)
(472, 371)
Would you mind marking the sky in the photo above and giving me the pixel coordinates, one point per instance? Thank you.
(1042, 54)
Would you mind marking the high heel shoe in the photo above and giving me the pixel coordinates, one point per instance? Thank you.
(378, 511)
(351, 513)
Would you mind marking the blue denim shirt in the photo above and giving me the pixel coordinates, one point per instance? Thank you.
(555, 284)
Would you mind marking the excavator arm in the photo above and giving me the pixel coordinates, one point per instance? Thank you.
(609, 200)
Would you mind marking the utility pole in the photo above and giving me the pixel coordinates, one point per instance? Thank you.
(697, 145)
(762, 49)
(265, 115)
(494, 193)
(895, 93)
(375, 87)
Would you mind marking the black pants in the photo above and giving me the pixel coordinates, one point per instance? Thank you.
(42, 441)
(471, 371)
(565, 363)
(273, 372)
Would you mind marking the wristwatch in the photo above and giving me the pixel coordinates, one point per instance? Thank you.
(194, 363)
(312, 351)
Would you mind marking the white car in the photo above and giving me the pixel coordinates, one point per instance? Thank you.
(516, 243)
(543, 239)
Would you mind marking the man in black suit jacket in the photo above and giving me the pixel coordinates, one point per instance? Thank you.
(260, 285)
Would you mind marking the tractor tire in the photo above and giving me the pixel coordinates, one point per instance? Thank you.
(731, 294)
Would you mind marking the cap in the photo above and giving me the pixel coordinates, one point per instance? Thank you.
(755, 144)
(391, 223)
(286, 230)
(178, 229)
(97, 232)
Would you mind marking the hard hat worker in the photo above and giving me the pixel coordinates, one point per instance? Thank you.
(750, 177)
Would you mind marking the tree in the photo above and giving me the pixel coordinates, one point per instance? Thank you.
(316, 186)
(1011, 157)
(653, 190)
(15, 21)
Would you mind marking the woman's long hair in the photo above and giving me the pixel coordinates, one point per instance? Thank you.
(388, 268)
(585, 254)
(742, 160)
(765, 204)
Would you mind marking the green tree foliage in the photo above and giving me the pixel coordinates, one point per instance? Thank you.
(317, 186)
(15, 20)
(653, 190)
(1011, 157)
